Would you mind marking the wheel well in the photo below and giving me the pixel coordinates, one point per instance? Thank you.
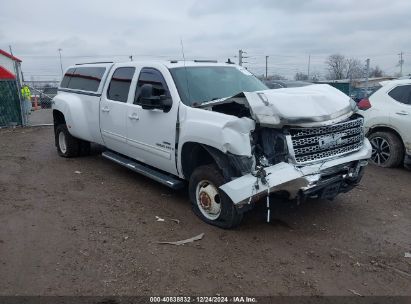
(58, 118)
(386, 129)
(194, 155)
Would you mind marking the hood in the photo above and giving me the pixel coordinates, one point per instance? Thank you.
(309, 105)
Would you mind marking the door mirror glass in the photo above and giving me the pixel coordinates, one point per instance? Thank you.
(152, 91)
(149, 101)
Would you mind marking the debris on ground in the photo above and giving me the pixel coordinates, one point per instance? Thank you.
(355, 292)
(182, 242)
(159, 219)
(77, 172)
(407, 255)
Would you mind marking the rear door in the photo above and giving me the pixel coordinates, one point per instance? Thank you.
(113, 108)
(400, 113)
(151, 134)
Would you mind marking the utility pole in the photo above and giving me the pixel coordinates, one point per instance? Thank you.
(61, 63)
(401, 62)
(241, 57)
(308, 69)
(367, 71)
(266, 67)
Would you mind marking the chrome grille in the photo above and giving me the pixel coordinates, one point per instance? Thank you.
(315, 144)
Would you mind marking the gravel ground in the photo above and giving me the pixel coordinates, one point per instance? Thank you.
(95, 233)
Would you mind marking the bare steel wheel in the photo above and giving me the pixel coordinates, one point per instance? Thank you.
(387, 149)
(67, 145)
(208, 199)
(210, 203)
(62, 142)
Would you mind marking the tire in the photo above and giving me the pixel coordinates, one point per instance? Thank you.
(217, 209)
(387, 149)
(67, 145)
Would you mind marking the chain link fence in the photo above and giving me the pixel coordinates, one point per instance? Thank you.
(10, 104)
(42, 93)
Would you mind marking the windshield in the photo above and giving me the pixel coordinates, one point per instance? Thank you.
(201, 84)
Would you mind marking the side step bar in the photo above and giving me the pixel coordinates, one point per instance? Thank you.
(158, 176)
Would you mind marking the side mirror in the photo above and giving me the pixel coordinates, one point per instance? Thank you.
(149, 101)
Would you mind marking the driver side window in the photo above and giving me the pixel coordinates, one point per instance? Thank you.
(153, 77)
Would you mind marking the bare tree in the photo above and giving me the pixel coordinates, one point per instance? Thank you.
(337, 66)
(355, 69)
(376, 72)
(340, 67)
(315, 76)
(301, 76)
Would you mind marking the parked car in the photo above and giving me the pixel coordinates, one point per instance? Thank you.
(215, 126)
(388, 123)
(359, 94)
(47, 96)
(279, 84)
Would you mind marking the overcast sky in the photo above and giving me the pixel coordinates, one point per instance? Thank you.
(287, 31)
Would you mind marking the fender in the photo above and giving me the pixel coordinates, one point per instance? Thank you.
(80, 115)
(225, 133)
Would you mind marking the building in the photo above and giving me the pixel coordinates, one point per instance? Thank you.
(10, 107)
(7, 62)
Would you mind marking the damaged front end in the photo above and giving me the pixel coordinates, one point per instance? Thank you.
(320, 152)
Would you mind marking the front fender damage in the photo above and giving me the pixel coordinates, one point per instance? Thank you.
(236, 135)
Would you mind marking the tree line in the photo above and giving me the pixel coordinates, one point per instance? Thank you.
(340, 67)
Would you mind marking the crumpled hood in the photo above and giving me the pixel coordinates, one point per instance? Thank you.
(302, 105)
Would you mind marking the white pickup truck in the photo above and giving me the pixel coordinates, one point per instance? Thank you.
(216, 126)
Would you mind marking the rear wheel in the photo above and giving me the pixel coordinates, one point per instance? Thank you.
(387, 149)
(67, 145)
(209, 203)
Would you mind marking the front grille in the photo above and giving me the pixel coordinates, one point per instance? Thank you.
(316, 144)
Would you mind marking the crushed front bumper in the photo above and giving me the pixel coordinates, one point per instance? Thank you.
(309, 180)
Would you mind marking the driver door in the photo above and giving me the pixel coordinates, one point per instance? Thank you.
(151, 133)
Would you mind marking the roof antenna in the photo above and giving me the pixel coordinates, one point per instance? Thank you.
(185, 70)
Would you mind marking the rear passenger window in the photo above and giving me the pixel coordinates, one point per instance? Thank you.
(402, 94)
(153, 77)
(84, 78)
(67, 77)
(120, 84)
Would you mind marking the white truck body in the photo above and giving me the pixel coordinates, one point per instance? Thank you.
(228, 129)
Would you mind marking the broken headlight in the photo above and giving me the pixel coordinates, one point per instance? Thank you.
(271, 147)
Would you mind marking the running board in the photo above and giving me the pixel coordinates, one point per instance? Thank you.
(158, 176)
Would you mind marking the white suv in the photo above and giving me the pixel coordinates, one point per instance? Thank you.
(388, 123)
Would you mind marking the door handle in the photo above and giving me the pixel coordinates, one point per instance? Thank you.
(133, 116)
(401, 113)
(105, 109)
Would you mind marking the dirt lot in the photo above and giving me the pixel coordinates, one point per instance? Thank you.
(95, 233)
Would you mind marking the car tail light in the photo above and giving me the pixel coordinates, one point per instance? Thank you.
(364, 104)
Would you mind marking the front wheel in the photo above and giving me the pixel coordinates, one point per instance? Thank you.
(387, 149)
(209, 203)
